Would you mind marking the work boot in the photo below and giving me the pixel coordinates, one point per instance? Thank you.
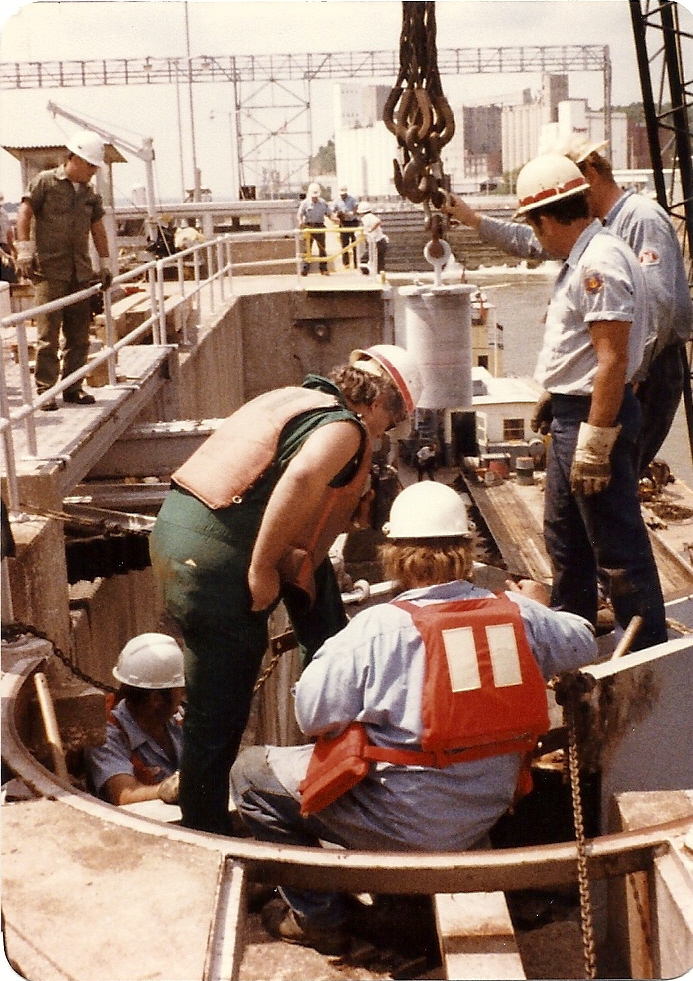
(283, 923)
(78, 398)
(49, 406)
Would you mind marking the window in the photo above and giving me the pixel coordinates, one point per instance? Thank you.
(513, 429)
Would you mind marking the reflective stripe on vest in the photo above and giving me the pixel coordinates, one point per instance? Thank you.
(483, 693)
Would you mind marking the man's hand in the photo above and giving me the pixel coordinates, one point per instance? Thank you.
(105, 276)
(542, 415)
(528, 587)
(168, 789)
(264, 587)
(24, 262)
(460, 211)
(591, 469)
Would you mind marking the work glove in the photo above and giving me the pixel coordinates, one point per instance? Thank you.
(168, 789)
(105, 276)
(24, 262)
(590, 472)
(542, 416)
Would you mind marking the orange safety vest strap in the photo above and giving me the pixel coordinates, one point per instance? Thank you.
(141, 771)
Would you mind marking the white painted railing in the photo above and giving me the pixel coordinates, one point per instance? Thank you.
(212, 282)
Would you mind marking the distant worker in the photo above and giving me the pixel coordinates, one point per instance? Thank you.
(594, 340)
(426, 461)
(446, 685)
(373, 227)
(344, 208)
(65, 211)
(647, 228)
(312, 212)
(7, 269)
(250, 521)
(141, 757)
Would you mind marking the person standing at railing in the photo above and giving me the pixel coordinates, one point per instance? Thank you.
(312, 212)
(64, 211)
(373, 227)
(345, 208)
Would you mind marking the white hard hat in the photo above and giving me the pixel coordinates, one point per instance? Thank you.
(343, 187)
(151, 661)
(549, 177)
(87, 145)
(425, 511)
(363, 208)
(313, 189)
(576, 146)
(397, 363)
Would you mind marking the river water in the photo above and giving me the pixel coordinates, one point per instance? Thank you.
(521, 296)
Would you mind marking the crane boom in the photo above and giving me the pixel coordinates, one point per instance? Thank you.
(145, 152)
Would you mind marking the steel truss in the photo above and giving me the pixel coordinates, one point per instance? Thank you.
(271, 94)
(667, 97)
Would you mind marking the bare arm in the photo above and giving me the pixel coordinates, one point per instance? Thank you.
(296, 501)
(610, 340)
(123, 788)
(98, 233)
(24, 215)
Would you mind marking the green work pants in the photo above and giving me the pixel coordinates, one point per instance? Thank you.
(74, 321)
(201, 559)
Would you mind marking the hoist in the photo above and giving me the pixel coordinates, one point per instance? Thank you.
(417, 113)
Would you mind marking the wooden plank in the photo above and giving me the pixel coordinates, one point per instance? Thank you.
(476, 936)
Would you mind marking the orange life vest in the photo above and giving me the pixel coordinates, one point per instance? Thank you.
(483, 695)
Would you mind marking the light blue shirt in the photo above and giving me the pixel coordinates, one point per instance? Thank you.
(373, 672)
(601, 280)
(345, 205)
(313, 213)
(647, 228)
(114, 756)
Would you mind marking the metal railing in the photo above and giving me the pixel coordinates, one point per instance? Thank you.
(211, 284)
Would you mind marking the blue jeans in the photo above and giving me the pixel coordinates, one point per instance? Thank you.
(603, 533)
(271, 813)
(659, 396)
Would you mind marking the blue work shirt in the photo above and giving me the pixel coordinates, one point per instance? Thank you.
(601, 280)
(313, 213)
(373, 672)
(115, 755)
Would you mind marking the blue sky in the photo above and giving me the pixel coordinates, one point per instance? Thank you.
(44, 30)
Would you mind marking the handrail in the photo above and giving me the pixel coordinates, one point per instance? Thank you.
(213, 276)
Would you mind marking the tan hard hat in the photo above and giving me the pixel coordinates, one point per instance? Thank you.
(549, 177)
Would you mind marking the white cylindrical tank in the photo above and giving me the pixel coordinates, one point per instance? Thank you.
(438, 324)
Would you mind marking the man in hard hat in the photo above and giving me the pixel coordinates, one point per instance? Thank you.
(312, 212)
(647, 228)
(595, 337)
(344, 207)
(59, 212)
(447, 686)
(250, 519)
(373, 227)
(140, 759)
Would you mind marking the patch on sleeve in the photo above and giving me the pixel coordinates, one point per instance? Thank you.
(593, 281)
(648, 257)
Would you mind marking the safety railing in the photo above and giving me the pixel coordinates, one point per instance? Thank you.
(211, 265)
(211, 285)
(363, 246)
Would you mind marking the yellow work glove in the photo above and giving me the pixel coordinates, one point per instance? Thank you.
(590, 472)
(168, 789)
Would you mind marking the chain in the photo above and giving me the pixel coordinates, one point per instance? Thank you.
(12, 631)
(583, 881)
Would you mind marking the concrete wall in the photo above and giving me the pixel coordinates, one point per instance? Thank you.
(257, 342)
